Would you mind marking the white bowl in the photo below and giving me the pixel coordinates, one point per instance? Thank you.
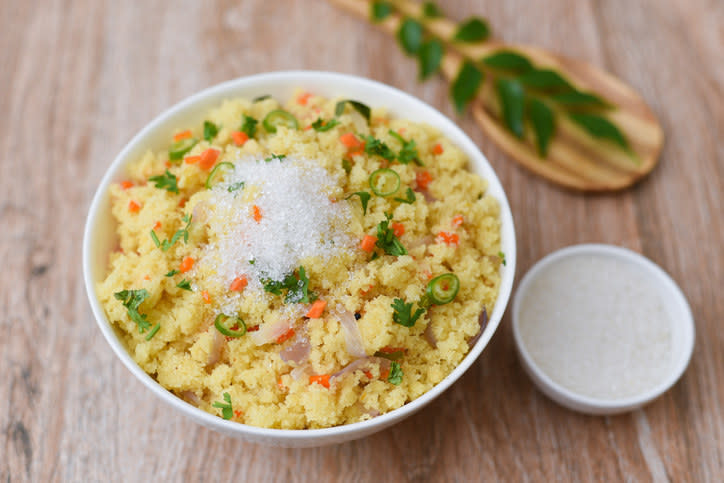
(682, 331)
(99, 234)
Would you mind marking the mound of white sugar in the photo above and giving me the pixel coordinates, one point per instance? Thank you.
(597, 326)
(281, 214)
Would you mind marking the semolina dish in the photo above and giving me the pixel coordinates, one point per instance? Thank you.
(304, 265)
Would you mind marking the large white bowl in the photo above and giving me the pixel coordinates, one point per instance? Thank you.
(99, 236)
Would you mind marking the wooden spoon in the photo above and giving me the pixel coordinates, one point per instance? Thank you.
(575, 160)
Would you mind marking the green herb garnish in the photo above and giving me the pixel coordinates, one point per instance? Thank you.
(512, 97)
(321, 125)
(386, 239)
(395, 376)
(183, 232)
(465, 86)
(410, 35)
(131, 300)
(501, 255)
(235, 186)
(380, 10)
(364, 198)
(359, 107)
(374, 146)
(601, 128)
(153, 331)
(280, 157)
(261, 98)
(431, 10)
(167, 181)
(429, 58)
(402, 313)
(507, 60)
(472, 30)
(346, 166)
(172, 273)
(408, 152)
(296, 286)
(210, 130)
(409, 198)
(184, 284)
(248, 126)
(226, 410)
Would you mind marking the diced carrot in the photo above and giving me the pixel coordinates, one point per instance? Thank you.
(285, 336)
(303, 98)
(208, 158)
(157, 225)
(182, 135)
(307, 127)
(398, 229)
(147, 277)
(384, 374)
(437, 149)
(448, 238)
(205, 295)
(167, 163)
(423, 178)
(182, 202)
(350, 140)
(280, 384)
(368, 243)
(238, 413)
(401, 130)
(317, 309)
(322, 379)
(457, 220)
(256, 213)
(381, 120)
(126, 184)
(134, 207)
(238, 284)
(186, 264)
(368, 374)
(252, 329)
(239, 137)
(192, 159)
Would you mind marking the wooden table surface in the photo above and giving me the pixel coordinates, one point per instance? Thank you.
(78, 78)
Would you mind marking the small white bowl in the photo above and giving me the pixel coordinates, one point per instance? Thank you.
(682, 331)
(99, 233)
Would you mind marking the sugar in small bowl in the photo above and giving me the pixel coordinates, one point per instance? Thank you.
(601, 329)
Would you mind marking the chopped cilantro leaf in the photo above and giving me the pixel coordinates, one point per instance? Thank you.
(210, 130)
(172, 273)
(155, 239)
(364, 198)
(386, 239)
(226, 409)
(501, 255)
(235, 186)
(131, 300)
(280, 157)
(403, 314)
(184, 284)
(153, 331)
(296, 286)
(408, 152)
(167, 181)
(395, 376)
(376, 147)
(184, 232)
(248, 126)
(322, 126)
(346, 165)
(409, 197)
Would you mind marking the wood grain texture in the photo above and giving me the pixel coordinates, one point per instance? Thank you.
(79, 77)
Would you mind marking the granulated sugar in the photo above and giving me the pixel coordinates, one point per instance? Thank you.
(295, 220)
(597, 326)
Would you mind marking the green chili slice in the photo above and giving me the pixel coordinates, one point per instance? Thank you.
(225, 324)
(442, 289)
(213, 172)
(279, 117)
(181, 147)
(385, 182)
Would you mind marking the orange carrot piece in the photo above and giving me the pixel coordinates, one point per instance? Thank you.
(182, 135)
(303, 98)
(205, 295)
(157, 225)
(368, 243)
(238, 284)
(280, 384)
(192, 159)
(285, 336)
(167, 164)
(322, 379)
(134, 206)
(317, 309)
(350, 140)
(448, 238)
(126, 184)
(147, 277)
(208, 158)
(437, 149)
(368, 374)
(457, 220)
(423, 178)
(238, 413)
(186, 265)
(239, 137)
(256, 212)
(398, 229)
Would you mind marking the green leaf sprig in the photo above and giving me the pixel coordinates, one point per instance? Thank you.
(182, 233)
(227, 412)
(167, 181)
(131, 300)
(296, 286)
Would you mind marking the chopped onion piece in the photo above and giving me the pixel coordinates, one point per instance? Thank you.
(362, 364)
(298, 352)
(215, 352)
(270, 332)
(483, 321)
(352, 335)
(190, 397)
(429, 335)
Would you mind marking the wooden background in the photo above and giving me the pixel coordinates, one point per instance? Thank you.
(78, 78)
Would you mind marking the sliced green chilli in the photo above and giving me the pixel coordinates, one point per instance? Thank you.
(385, 182)
(230, 326)
(442, 289)
(217, 168)
(180, 148)
(279, 117)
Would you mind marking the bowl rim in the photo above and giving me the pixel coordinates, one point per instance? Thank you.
(297, 78)
(578, 402)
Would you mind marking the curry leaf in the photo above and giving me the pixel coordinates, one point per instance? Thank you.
(465, 85)
(512, 102)
(543, 124)
(601, 128)
(380, 10)
(545, 80)
(410, 36)
(578, 99)
(359, 107)
(429, 57)
(472, 30)
(509, 61)
(431, 10)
